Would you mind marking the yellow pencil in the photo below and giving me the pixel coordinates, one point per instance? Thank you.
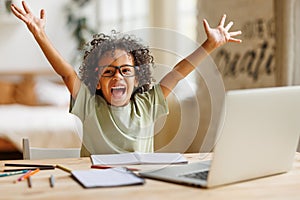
(64, 168)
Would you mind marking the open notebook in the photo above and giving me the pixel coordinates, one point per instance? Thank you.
(138, 158)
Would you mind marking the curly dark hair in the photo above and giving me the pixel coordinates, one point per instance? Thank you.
(101, 44)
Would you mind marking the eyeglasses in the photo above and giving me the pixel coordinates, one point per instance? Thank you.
(124, 70)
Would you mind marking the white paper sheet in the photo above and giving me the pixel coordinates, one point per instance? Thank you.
(106, 177)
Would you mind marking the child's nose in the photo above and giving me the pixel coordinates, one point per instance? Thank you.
(118, 74)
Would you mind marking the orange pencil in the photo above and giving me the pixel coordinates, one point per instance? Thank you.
(31, 173)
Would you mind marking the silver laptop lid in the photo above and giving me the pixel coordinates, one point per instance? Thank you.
(258, 135)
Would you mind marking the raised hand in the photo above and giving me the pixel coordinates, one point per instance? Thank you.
(220, 35)
(34, 24)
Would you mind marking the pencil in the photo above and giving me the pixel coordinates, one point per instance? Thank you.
(32, 173)
(28, 174)
(13, 173)
(29, 182)
(21, 177)
(51, 179)
(64, 168)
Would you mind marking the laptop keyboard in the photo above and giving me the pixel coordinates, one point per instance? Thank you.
(197, 175)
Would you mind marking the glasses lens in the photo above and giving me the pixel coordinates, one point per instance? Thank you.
(127, 70)
(108, 71)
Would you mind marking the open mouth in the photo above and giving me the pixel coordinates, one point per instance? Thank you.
(118, 91)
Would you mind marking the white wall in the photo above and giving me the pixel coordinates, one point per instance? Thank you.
(18, 49)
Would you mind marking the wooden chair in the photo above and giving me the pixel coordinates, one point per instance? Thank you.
(33, 153)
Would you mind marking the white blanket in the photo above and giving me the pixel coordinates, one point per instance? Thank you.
(45, 126)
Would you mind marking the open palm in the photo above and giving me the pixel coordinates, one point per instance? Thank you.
(33, 23)
(220, 35)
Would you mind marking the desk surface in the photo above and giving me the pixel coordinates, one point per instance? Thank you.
(283, 186)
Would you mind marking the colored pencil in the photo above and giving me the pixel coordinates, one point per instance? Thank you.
(52, 181)
(22, 177)
(64, 168)
(29, 182)
(28, 174)
(13, 173)
(41, 168)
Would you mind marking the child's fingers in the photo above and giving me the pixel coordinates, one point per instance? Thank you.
(206, 25)
(235, 40)
(222, 22)
(18, 13)
(26, 8)
(42, 14)
(235, 33)
(16, 9)
(228, 26)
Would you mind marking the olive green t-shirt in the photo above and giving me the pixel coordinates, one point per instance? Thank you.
(111, 129)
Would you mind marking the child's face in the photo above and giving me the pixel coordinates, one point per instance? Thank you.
(117, 89)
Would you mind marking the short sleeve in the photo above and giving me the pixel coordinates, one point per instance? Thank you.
(83, 103)
(160, 103)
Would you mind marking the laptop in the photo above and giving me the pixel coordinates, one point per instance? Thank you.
(257, 136)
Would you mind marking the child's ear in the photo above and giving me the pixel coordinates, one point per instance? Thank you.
(136, 82)
(98, 87)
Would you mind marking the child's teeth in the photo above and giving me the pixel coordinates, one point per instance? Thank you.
(119, 87)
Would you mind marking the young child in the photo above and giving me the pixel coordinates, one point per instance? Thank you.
(114, 96)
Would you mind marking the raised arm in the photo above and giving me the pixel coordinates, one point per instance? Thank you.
(36, 27)
(216, 37)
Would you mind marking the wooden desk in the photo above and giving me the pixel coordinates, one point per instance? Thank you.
(283, 186)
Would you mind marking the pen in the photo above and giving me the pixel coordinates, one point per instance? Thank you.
(64, 168)
(13, 173)
(107, 167)
(51, 179)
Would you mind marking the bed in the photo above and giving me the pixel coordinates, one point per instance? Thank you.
(35, 106)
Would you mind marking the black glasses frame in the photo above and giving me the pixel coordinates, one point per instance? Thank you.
(120, 70)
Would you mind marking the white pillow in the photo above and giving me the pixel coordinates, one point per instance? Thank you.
(51, 93)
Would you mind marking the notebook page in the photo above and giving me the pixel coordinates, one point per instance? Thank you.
(106, 178)
(160, 158)
(114, 159)
(138, 158)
